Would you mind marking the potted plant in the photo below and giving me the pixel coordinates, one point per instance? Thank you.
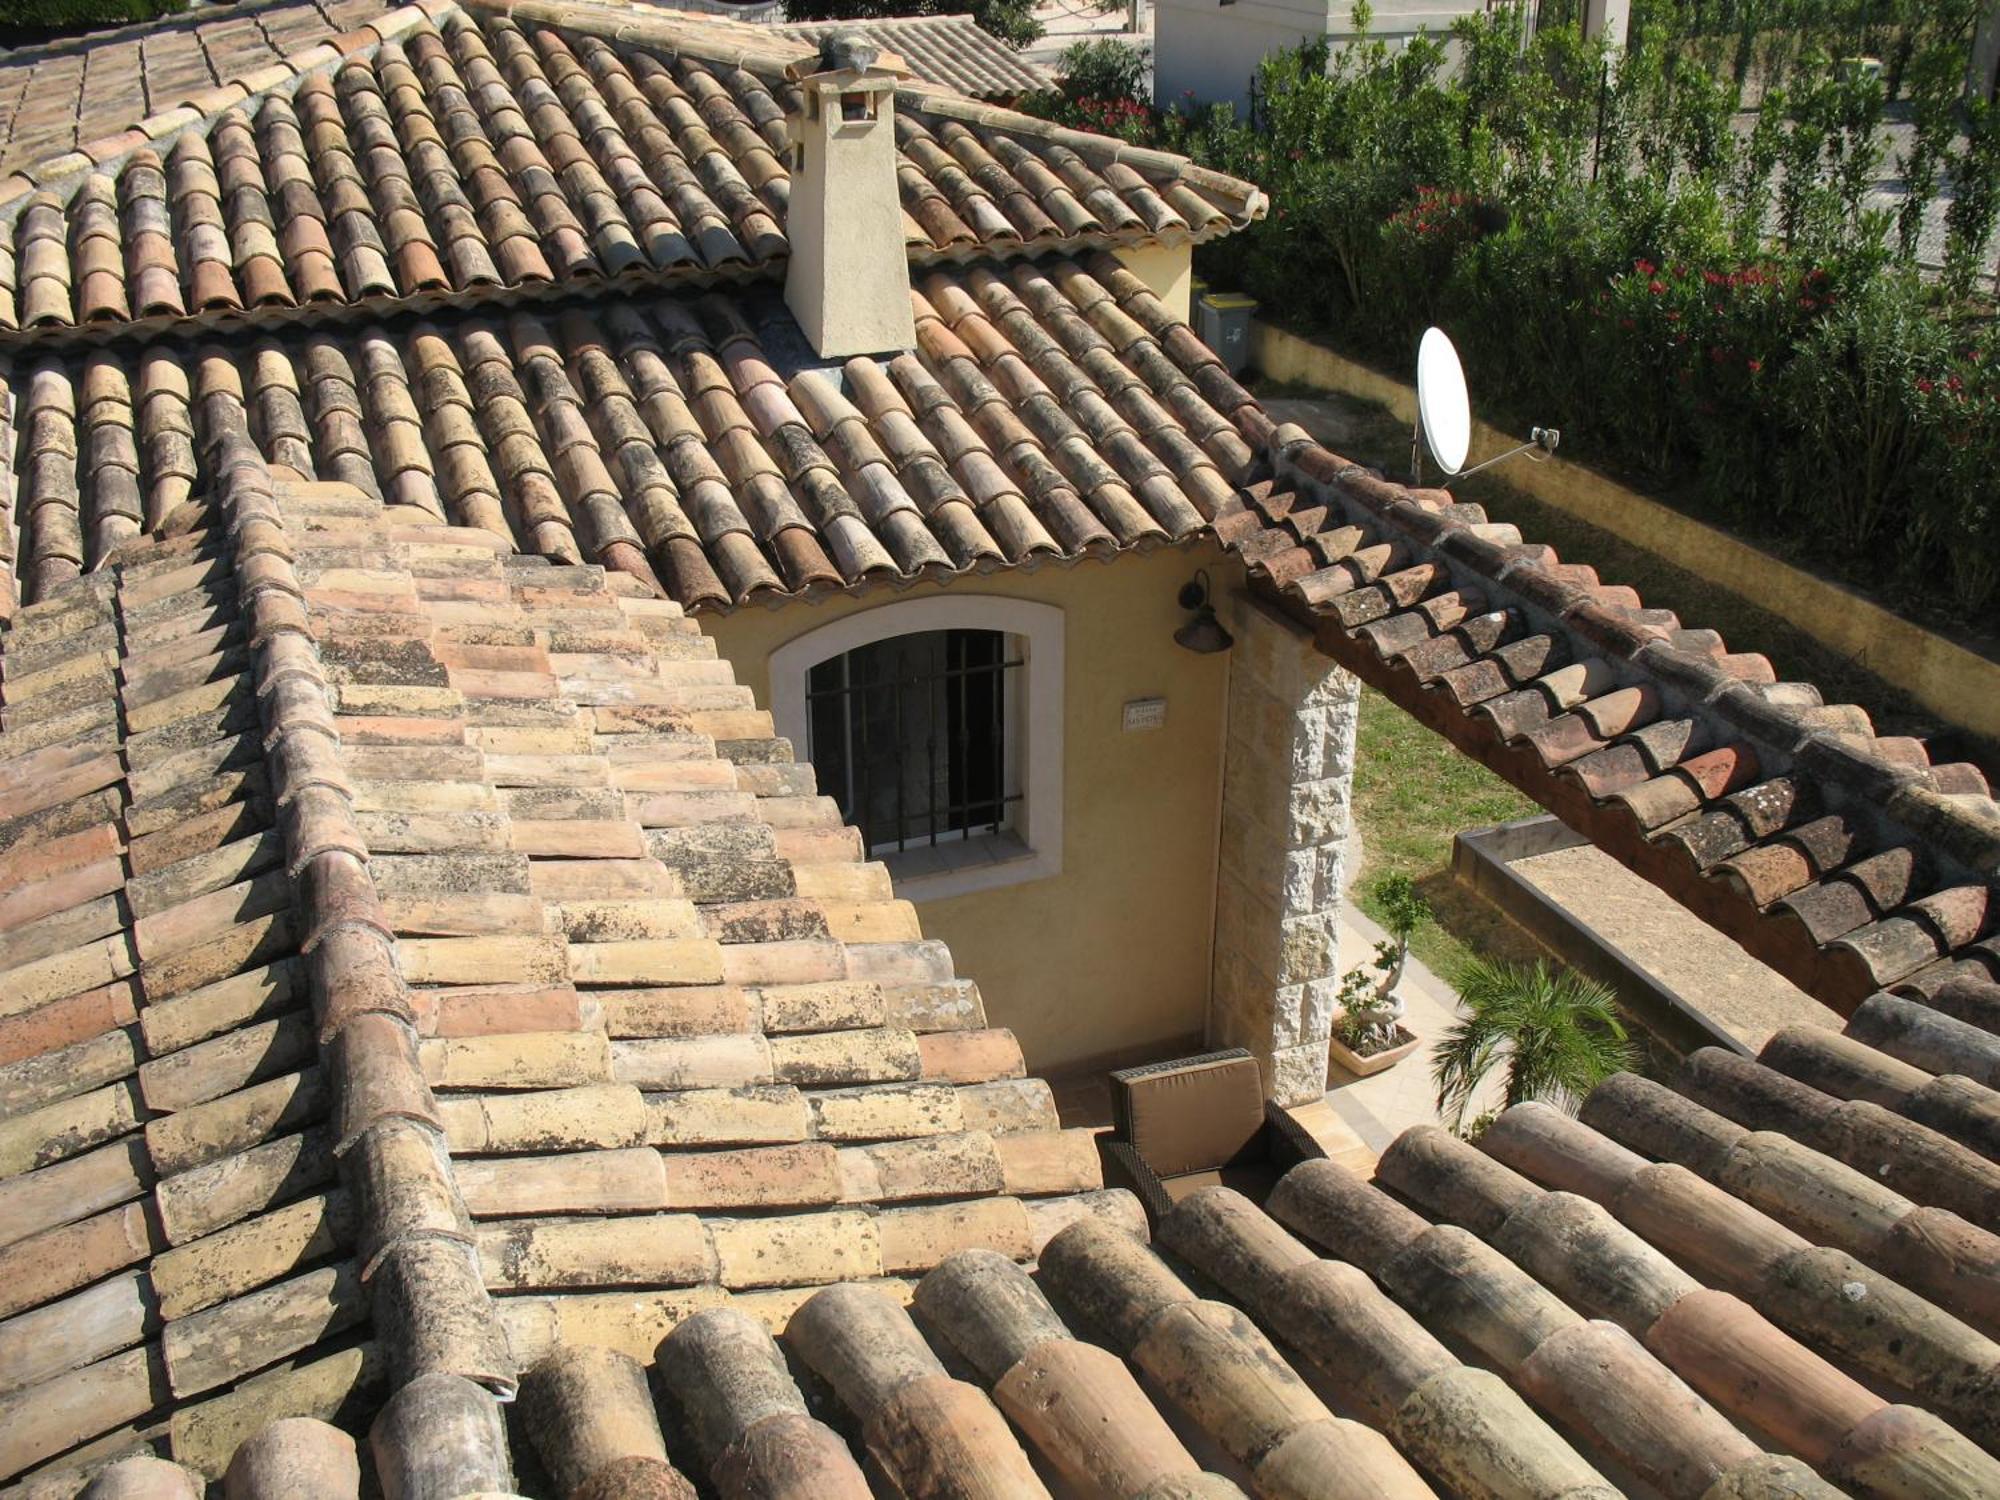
(1558, 1035)
(1368, 1034)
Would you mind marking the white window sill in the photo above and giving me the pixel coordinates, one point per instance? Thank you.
(959, 868)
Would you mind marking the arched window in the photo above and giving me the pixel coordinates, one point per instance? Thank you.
(936, 724)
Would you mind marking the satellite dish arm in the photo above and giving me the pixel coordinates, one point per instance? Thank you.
(1541, 439)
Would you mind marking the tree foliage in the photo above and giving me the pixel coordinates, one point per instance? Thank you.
(1675, 253)
(23, 22)
(1555, 1035)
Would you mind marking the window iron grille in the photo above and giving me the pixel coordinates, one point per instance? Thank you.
(911, 736)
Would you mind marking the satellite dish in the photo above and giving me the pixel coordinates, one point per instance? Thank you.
(1444, 415)
(1444, 410)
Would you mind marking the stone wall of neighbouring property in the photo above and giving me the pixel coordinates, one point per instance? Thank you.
(1288, 768)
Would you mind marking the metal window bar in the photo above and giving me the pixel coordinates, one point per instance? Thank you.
(965, 809)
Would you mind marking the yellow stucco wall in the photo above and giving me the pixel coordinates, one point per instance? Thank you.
(1168, 270)
(1112, 954)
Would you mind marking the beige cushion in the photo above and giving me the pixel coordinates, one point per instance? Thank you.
(1195, 1119)
(1253, 1179)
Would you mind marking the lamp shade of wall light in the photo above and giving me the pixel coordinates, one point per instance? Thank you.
(1203, 634)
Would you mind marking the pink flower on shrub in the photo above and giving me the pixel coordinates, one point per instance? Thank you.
(1656, 286)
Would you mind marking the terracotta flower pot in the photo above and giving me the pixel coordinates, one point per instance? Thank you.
(1366, 1066)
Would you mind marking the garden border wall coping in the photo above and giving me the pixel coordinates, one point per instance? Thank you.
(1482, 859)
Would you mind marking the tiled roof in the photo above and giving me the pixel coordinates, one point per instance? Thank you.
(1844, 859)
(1760, 1293)
(335, 837)
(692, 439)
(528, 149)
(952, 51)
(426, 980)
(58, 96)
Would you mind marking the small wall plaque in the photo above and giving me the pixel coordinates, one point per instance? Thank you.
(1145, 713)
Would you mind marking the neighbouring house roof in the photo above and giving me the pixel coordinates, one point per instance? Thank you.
(952, 51)
(530, 149)
(426, 980)
(60, 95)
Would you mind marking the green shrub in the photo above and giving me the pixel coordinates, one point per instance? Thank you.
(1097, 87)
(28, 21)
(1713, 312)
(1552, 1034)
(1103, 68)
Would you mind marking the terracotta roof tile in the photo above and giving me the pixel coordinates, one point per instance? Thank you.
(355, 1030)
(670, 442)
(487, 152)
(950, 51)
(423, 962)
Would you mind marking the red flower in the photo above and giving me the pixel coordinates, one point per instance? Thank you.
(1644, 267)
(1925, 386)
(1756, 366)
(1656, 286)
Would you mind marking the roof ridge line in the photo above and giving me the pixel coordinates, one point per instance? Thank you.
(617, 23)
(414, 1243)
(678, 31)
(937, 99)
(152, 132)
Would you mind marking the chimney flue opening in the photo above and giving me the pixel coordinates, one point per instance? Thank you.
(857, 104)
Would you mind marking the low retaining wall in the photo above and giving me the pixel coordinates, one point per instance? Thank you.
(1960, 686)
(1483, 859)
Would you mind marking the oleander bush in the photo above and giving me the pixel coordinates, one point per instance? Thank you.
(1671, 254)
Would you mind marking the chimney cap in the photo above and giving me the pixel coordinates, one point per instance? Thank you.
(850, 50)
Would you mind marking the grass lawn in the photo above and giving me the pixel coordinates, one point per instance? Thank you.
(1413, 792)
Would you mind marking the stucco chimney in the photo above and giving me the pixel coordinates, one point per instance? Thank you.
(848, 283)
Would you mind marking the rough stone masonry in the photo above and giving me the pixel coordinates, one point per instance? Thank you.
(1288, 768)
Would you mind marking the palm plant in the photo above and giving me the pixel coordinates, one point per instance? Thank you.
(1557, 1033)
